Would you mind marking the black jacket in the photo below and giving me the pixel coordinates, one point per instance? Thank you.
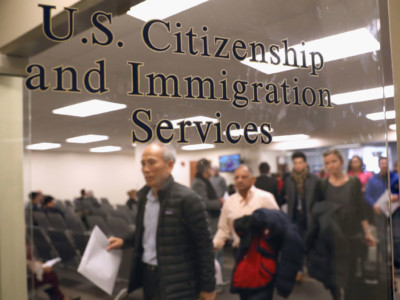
(184, 247)
(327, 245)
(290, 193)
(269, 184)
(335, 236)
(213, 206)
(283, 240)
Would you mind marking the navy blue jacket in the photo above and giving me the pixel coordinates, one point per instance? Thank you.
(281, 236)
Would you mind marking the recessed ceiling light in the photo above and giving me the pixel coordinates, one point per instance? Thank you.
(290, 138)
(238, 132)
(43, 146)
(334, 47)
(105, 149)
(293, 145)
(201, 119)
(89, 108)
(393, 127)
(363, 95)
(198, 147)
(378, 116)
(348, 146)
(161, 9)
(89, 138)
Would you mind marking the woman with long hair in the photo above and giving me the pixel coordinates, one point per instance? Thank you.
(356, 168)
(339, 230)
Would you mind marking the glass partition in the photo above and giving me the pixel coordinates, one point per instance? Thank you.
(233, 82)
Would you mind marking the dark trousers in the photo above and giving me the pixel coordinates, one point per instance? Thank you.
(265, 294)
(351, 289)
(151, 283)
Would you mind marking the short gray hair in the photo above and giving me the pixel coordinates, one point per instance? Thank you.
(247, 167)
(167, 151)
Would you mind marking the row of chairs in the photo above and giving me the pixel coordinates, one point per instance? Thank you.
(105, 209)
(66, 236)
(69, 235)
(91, 202)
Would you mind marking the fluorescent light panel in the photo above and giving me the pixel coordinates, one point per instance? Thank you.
(392, 127)
(89, 108)
(378, 116)
(290, 138)
(43, 146)
(105, 149)
(161, 9)
(201, 119)
(240, 132)
(363, 95)
(198, 147)
(293, 145)
(334, 47)
(348, 146)
(85, 139)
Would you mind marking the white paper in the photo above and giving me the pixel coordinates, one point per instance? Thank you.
(99, 265)
(218, 273)
(51, 262)
(383, 203)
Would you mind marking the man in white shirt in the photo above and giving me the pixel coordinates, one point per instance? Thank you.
(245, 201)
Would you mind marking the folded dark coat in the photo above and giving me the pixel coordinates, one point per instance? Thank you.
(283, 241)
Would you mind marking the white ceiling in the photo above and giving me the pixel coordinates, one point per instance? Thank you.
(268, 22)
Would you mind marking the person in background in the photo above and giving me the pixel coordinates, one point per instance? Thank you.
(266, 182)
(339, 229)
(81, 208)
(49, 207)
(298, 194)
(356, 168)
(322, 173)
(219, 183)
(79, 203)
(43, 275)
(202, 186)
(173, 256)
(36, 199)
(278, 176)
(91, 200)
(231, 189)
(133, 200)
(244, 202)
(35, 204)
(375, 188)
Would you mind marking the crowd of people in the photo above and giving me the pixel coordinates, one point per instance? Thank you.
(280, 229)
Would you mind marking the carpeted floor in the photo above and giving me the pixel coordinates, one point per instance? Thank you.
(74, 284)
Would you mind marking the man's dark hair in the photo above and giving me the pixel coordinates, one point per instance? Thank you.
(264, 168)
(47, 199)
(383, 157)
(299, 154)
(202, 165)
(33, 195)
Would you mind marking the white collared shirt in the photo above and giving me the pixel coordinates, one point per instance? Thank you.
(236, 207)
